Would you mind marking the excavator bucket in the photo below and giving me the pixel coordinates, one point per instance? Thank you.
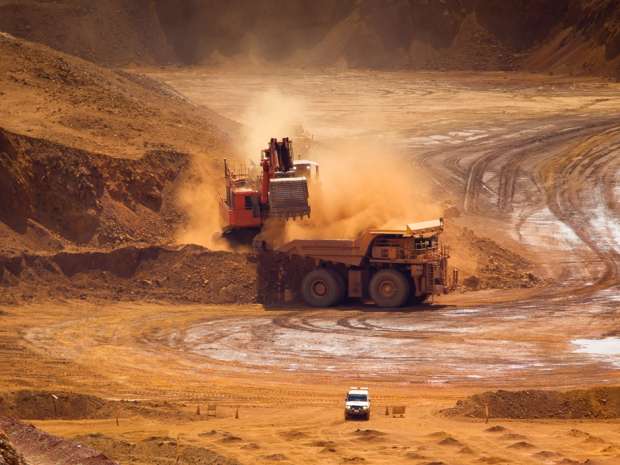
(288, 197)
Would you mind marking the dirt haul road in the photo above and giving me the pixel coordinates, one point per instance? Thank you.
(531, 162)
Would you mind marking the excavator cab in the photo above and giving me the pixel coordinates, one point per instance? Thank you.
(241, 209)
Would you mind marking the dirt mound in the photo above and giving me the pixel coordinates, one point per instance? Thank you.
(370, 435)
(179, 274)
(598, 403)
(521, 445)
(496, 429)
(449, 441)
(31, 442)
(35, 405)
(154, 450)
(8, 454)
(44, 405)
(484, 264)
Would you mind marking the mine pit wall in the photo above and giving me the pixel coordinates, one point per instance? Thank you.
(64, 189)
(420, 34)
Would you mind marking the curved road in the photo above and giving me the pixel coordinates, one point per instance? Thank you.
(540, 158)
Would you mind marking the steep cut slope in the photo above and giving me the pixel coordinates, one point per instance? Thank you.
(587, 42)
(52, 196)
(105, 31)
(572, 36)
(76, 103)
(90, 156)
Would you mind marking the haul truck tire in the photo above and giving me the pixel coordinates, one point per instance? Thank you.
(322, 288)
(342, 286)
(389, 288)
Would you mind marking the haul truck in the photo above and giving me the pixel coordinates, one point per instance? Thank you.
(390, 266)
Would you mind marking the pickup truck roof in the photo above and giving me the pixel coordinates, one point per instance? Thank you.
(355, 390)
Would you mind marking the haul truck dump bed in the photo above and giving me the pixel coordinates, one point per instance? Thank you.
(390, 266)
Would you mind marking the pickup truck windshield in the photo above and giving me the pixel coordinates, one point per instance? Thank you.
(357, 398)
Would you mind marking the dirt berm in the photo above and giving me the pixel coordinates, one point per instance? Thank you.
(37, 405)
(8, 454)
(172, 274)
(597, 403)
(58, 405)
(156, 450)
(32, 442)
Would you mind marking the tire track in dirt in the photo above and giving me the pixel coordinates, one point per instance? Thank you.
(527, 155)
(587, 167)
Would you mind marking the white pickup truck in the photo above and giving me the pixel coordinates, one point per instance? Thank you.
(357, 404)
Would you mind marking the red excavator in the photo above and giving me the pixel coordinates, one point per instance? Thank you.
(278, 190)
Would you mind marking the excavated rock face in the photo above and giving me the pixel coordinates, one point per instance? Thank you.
(273, 29)
(599, 19)
(65, 189)
(521, 23)
(362, 33)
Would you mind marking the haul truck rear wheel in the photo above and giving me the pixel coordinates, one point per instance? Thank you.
(389, 288)
(322, 288)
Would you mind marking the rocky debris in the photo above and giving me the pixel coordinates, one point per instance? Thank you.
(32, 442)
(173, 274)
(8, 454)
(82, 197)
(490, 266)
(597, 403)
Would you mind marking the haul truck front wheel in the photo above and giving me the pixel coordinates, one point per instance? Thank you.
(322, 288)
(389, 288)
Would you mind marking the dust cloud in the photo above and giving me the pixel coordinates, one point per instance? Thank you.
(199, 200)
(271, 114)
(363, 184)
(363, 181)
